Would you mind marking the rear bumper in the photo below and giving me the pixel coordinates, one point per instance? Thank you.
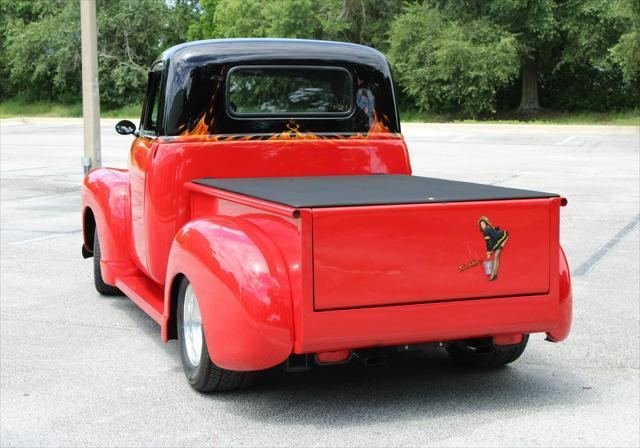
(442, 321)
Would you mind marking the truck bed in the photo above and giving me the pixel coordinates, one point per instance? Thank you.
(385, 240)
(347, 191)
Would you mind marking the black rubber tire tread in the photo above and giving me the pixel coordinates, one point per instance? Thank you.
(101, 286)
(217, 379)
(489, 357)
(208, 377)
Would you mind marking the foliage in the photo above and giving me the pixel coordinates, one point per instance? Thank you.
(302, 19)
(618, 118)
(446, 65)
(462, 57)
(42, 50)
(21, 107)
(626, 53)
(595, 68)
(360, 21)
(584, 53)
(41, 56)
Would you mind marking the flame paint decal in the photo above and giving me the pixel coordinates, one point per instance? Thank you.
(369, 119)
(201, 133)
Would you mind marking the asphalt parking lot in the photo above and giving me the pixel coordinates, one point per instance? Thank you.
(78, 369)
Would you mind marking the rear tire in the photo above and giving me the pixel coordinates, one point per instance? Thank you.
(101, 286)
(202, 374)
(481, 353)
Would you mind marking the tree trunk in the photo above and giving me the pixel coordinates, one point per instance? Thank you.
(529, 95)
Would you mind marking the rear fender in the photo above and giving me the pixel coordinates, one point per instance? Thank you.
(105, 194)
(242, 285)
(565, 310)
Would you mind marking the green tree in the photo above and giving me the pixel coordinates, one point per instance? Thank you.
(181, 15)
(302, 19)
(448, 65)
(535, 26)
(359, 21)
(604, 35)
(564, 49)
(463, 56)
(532, 23)
(363, 22)
(41, 53)
(593, 66)
(17, 14)
(130, 37)
(205, 26)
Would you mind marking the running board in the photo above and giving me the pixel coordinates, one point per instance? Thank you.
(145, 293)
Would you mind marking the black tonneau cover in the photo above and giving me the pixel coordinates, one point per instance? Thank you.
(337, 191)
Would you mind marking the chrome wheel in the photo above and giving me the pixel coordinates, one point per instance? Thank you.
(192, 327)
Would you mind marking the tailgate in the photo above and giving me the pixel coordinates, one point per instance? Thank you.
(398, 254)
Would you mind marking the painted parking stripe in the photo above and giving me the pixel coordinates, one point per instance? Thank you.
(45, 237)
(588, 265)
(566, 140)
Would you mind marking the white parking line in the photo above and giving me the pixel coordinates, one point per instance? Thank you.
(40, 238)
(566, 140)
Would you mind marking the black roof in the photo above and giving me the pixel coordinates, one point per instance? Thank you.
(246, 50)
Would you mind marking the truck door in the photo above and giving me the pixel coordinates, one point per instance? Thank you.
(140, 158)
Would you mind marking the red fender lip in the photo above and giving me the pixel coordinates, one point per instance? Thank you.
(565, 313)
(242, 288)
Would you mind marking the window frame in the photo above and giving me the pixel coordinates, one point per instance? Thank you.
(279, 115)
(160, 67)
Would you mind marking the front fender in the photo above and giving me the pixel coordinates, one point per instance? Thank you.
(565, 312)
(242, 285)
(105, 192)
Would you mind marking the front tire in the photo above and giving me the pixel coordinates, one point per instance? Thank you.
(101, 286)
(202, 374)
(482, 353)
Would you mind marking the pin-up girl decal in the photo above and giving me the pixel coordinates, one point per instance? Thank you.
(495, 238)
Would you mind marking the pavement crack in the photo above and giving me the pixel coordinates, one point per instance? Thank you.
(504, 179)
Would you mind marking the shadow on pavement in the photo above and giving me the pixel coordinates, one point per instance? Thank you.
(403, 390)
(409, 387)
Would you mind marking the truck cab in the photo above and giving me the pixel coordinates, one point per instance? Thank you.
(268, 216)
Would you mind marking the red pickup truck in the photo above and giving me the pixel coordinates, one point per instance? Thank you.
(268, 216)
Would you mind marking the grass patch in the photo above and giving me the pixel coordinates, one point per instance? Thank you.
(128, 111)
(618, 118)
(18, 107)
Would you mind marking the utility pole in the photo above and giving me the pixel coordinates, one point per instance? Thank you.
(90, 87)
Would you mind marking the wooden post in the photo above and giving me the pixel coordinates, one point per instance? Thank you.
(90, 87)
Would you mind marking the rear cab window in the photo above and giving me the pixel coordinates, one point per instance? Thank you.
(287, 91)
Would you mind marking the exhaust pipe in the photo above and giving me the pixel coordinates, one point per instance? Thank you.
(371, 357)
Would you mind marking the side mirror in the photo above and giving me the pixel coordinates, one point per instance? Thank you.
(125, 127)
